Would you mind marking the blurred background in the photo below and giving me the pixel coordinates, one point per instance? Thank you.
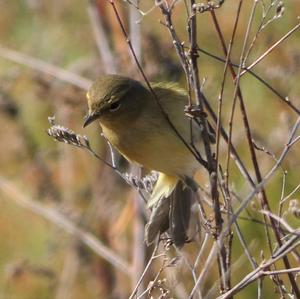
(39, 42)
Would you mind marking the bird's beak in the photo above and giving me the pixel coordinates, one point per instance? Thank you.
(89, 118)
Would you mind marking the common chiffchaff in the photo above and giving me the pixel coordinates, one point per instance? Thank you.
(134, 124)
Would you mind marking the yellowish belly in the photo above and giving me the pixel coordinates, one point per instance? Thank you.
(165, 153)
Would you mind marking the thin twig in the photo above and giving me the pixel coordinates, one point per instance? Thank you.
(45, 67)
(105, 51)
(238, 93)
(283, 223)
(260, 271)
(12, 192)
(266, 53)
(152, 258)
(260, 79)
(165, 114)
(214, 249)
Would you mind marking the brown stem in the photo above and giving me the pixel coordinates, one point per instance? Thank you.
(264, 201)
(166, 116)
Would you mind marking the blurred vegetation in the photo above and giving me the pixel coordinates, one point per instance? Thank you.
(36, 255)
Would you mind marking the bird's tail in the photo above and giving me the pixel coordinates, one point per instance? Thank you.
(171, 208)
(163, 188)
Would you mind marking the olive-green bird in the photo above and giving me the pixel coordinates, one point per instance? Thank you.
(134, 124)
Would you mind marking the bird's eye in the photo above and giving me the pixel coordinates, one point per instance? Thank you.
(115, 106)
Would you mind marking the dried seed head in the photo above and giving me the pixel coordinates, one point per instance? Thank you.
(294, 207)
(146, 183)
(62, 134)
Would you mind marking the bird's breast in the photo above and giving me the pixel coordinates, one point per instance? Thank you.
(155, 149)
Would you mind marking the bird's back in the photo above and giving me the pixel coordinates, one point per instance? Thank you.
(169, 150)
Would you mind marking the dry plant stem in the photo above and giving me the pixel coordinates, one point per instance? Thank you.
(45, 67)
(258, 31)
(62, 134)
(139, 282)
(220, 99)
(283, 223)
(227, 193)
(180, 51)
(194, 81)
(264, 200)
(214, 249)
(227, 284)
(228, 212)
(101, 40)
(240, 235)
(190, 267)
(167, 11)
(66, 172)
(281, 202)
(135, 30)
(212, 166)
(281, 271)
(139, 246)
(270, 87)
(70, 270)
(248, 254)
(201, 250)
(218, 29)
(215, 118)
(208, 263)
(195, 154)
(233, 151)
(12, 192)
(267, 177)
(270, 49)
(141, 12)
(155, 278)
(284, 199)
(296, 270)
(235, 267)
(261, 270)
(177, 44)
(192, 75)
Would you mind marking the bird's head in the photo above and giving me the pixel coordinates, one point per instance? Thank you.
(113, 98)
